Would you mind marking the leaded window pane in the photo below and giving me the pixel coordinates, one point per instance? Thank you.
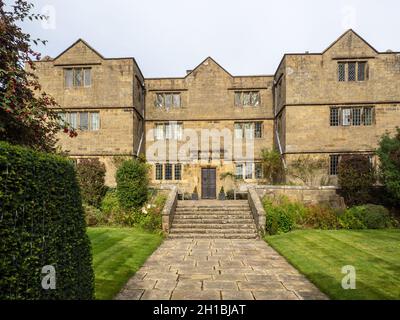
(238, 131)
(168, 131)
(258, 172)
(177, 100)
(87, 77)
(368, 116)
(159, 132)
(334, 117)
(334, 165)
(342, 72)
(246, 98)
(356, 116)
(346, 117)
(69, 78)
(95, 121)
(83, 120)
(63, 117)
(258, 130)
(159, 171)
(249, 131)
(249, 171)
(159, 101)
(239, 171)
(238, 101)
(255, 99)
(168, 171)
(77, 77)
(73, 120)
(352, 71)
(361, 71)
(168, 100)
(178, 172)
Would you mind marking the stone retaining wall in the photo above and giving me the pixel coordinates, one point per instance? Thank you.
(307, 195)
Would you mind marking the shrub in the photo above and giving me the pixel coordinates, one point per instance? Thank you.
(42, 223)
(282, 215)
(356, 178)
(389, 157)
(368, 216)
(132, 184)
(91, 173)
(321, 217)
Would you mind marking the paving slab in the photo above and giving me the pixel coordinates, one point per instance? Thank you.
(214, 269)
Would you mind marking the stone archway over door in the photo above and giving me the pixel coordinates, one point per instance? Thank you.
(208, 183)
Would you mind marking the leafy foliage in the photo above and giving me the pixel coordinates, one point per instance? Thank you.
(42, 223)
(91, 174)
(389, 156)
(356, 178)
(321, 217)
(368, 216)
(132, 184)
(282, 215)
(272, 164)
(308, 169)
(25, 114)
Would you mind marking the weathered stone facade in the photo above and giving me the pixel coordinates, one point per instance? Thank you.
(116, 92)
(293, 110)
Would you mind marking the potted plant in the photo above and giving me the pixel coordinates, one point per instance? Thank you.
(221, 195)
(195, 195)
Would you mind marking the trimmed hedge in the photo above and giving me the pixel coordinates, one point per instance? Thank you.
(356, 178)
(132, 184)
(91, 177)
(41, 223)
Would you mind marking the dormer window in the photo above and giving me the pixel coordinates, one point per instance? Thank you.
(77, 77)
(352, 71)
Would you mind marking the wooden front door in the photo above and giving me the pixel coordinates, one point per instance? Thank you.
(208, 183)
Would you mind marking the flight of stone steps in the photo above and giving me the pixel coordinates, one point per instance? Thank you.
(213, 219)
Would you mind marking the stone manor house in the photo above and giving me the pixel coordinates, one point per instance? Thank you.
(321, 105)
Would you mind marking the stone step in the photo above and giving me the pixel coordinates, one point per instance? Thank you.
(198, 230)
(212, 212)
(178, 219)
(238, 208)
(212, 216)
(178, 225)
(213, 236)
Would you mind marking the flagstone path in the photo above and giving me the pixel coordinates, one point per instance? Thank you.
(218, 269)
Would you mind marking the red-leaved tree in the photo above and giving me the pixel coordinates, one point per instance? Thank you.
(26, 115)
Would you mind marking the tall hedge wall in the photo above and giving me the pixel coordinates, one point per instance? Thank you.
(41, 223)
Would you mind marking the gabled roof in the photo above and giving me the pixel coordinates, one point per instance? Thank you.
(74, 44)
(350, 31)
(201, 63)
(97, 53)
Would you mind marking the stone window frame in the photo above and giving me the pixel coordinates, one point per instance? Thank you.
(65, 116)
(162, 103)
(251, 94)
(365, 117)
(85, 77)
(360, 73)
(160, 171)
(168, 131)
(240, 125)
(334, 161)
(243, 175)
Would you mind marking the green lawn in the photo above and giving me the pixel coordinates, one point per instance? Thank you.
(320, 255)
(117, 254)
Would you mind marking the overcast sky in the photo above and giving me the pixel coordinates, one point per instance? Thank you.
(167, 37)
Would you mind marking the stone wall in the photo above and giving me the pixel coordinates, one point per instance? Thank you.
(306, 195)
